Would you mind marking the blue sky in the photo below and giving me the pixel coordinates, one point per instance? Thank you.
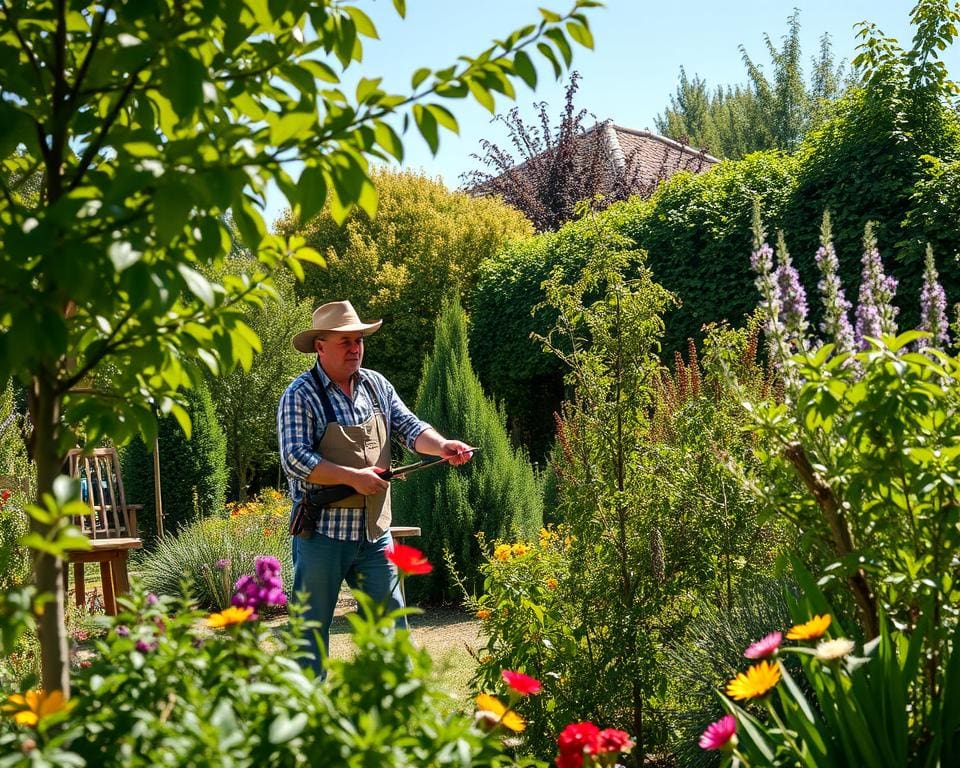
(640, 46)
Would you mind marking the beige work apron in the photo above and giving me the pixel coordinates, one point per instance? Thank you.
(365, 445)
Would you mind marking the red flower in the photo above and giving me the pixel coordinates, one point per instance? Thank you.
(521, 683)
(578, 738)
(409, 560)
(612, 740)
(571, 760)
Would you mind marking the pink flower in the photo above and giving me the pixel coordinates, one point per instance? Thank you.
(569, 760)
(719, 734)
(764, 647)
(521, 683)
(612, 740)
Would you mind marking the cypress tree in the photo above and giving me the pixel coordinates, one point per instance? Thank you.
(193, 473)
(496, 494)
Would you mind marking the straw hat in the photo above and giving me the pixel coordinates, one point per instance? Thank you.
(336, 317)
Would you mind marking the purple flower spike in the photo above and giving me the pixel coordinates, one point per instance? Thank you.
(836, 321)
(933, 306)
(876, 315)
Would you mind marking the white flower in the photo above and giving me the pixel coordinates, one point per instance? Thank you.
(831, 650)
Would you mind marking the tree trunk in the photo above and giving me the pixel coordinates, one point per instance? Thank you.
(48, 570)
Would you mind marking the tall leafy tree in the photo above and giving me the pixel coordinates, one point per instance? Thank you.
(769, 111)
(147, 121)
(496, 494)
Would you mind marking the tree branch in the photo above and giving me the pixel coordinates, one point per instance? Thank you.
(840, 533)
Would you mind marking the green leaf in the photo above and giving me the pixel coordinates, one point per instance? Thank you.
(427, 125)
(197, 284)
(550, 16)
(182, 417)
(363, 23)
(388, 139)
(419, 76)
(560, 40)
(284, 728)
(550, 56)
(172, 205)
(525, 69)
(311, 192)
(482, 95)
(580, 33)
(444, 117)
(291, 125)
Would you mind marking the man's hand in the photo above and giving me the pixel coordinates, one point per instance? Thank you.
(456, 452)
(367, 481)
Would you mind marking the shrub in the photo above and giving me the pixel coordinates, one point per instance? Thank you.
(165, 690)
(212, 553)
(193, 473)
(495, 494)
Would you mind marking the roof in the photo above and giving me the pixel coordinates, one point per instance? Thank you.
(631, 162)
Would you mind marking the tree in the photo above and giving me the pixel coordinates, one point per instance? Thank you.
(243, 398)
(557, 167)
(424, 243)
(764, 113)
(495, 494)
(148, 121)
(193, 472)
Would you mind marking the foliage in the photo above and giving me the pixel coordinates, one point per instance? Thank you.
(241, 397)
(424, 243)
(146, 123)
(557, 167)
(164, 689)
(710, 651)
(496, 494)
(866, 161)
(193, 472)
(14, 559)
(733, 121)
(856, 710)
(870, 440)
(213, 552)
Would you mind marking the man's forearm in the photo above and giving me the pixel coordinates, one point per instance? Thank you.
(429, 443)
(328, 473)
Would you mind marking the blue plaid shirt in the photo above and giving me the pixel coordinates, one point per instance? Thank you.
(301, 423)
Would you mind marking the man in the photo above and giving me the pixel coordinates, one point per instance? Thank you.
(334, 424)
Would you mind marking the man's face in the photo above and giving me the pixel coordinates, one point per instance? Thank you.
(340, 354)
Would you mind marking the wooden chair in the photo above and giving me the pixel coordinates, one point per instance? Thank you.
(111, 524)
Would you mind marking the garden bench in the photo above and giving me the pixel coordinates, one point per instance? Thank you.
(111, 524)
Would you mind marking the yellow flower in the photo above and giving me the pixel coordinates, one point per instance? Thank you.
(483, 614)
(502, 552)
(811, 630)
(232, 615)
(551, 583)
(519, 549)
(755, 682)
(487, 704)
(31, 707)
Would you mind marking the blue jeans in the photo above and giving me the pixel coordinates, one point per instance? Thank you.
(320, 566)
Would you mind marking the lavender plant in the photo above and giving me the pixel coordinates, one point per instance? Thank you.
(793, 298)
(933, 305)
(876, 314)
(761, 260)
(836, 321)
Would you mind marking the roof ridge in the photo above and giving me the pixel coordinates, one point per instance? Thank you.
(680, 146)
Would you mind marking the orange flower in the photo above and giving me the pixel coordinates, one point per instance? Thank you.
(810, 630)
(520, 549)
(502, 552)
(31, 707)
(551, 583)
(755, 682)
(483, 614)
(266, 531)
(232, 615)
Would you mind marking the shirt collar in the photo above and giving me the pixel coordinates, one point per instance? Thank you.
(358, 378)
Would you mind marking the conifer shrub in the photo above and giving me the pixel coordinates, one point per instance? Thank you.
(193, 472)
(496, 494)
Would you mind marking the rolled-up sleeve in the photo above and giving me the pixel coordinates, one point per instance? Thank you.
(296, 426)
